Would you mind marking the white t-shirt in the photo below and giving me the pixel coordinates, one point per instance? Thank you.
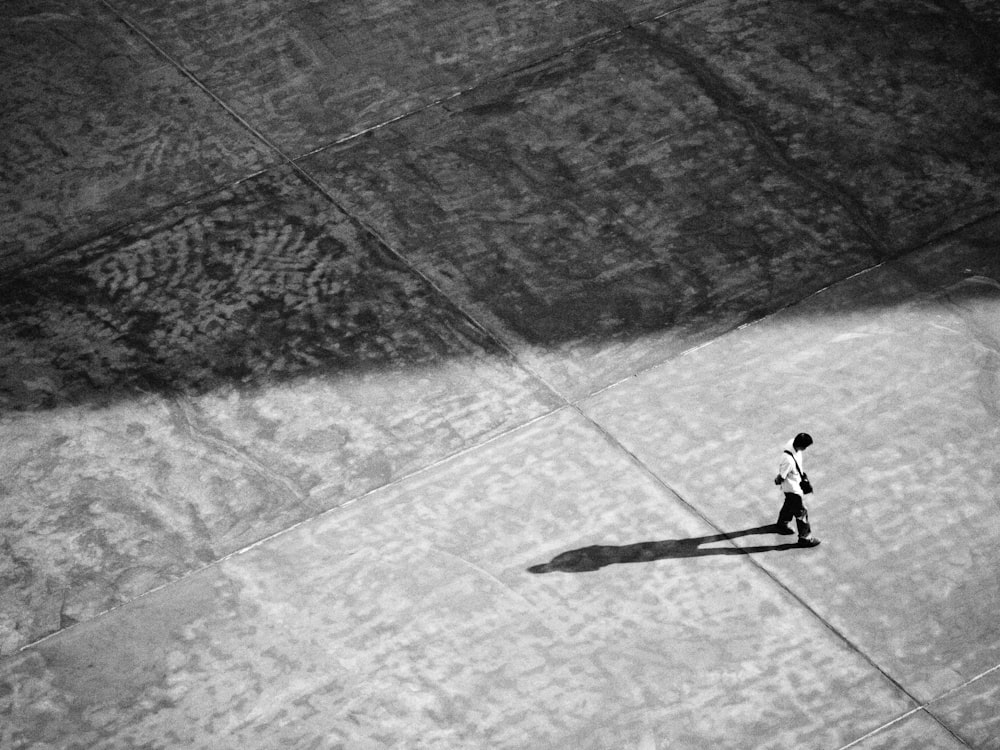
(791, 476)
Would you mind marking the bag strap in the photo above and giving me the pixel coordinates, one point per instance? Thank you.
(797, 467)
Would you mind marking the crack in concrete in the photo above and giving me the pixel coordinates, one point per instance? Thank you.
(485, 574)
(189, 420)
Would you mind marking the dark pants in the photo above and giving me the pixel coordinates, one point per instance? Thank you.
(793, 507)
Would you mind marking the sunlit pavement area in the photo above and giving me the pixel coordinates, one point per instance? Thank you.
(413, 374)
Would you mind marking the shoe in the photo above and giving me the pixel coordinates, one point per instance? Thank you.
(780, 528)
(810, 542)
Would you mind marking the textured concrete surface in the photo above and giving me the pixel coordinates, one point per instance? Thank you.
(128, 445)
(413, 374)
(972, 711)
(872, 365)
(309, 73)
(613, 205)
(99, 130)
(408, 620)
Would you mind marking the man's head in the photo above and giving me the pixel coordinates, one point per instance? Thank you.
(802, 441)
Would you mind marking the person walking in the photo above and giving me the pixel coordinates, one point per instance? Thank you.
(795, 484)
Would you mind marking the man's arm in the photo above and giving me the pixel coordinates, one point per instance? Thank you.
(786, 465)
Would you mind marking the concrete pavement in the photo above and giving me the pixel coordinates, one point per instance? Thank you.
(386, 375)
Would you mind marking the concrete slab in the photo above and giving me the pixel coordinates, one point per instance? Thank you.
(307, 73)
(180, 390)
(597, 226)
(618, 204)
(971, 711)
(883, 103)
(906, 500)
(99, 131)
(180, 386)
(412, 620)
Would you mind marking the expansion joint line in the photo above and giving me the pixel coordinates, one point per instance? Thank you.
(924, 709)
(838, 634)
(625, 26)
(187, 73)
(267, 538)
(951, 232)
(729, 105)
(484, 330)
(363, 225)
(294, 162)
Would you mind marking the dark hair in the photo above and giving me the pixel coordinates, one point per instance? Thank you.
(802, 440)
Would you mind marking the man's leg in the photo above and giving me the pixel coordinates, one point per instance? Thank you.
(802, 521)
(806, 539)
(787, 513)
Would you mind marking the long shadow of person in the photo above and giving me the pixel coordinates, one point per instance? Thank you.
(596, 556)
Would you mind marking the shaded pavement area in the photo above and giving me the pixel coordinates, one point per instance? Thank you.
(413, 375)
